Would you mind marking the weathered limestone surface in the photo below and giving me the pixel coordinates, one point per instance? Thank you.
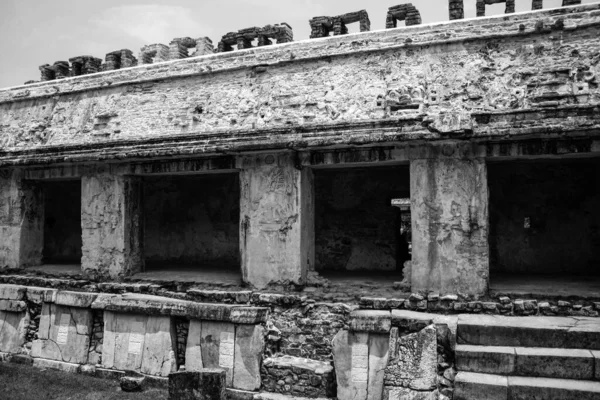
(277, 220)
(64, 334)
(449, 204)
(469, 80)
(413, 363)
(211, 345)
(249, 344)
(360, 361)
(13, 329)
(111, 226)
(142, 343)
(21, 221)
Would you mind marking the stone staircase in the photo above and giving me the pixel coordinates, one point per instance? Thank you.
(545, 358)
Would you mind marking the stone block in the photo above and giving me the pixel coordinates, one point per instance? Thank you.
(12, 292)
(206, 384)
(486, 359)
(411, 321)
(468, 386)
(40, 295)
(554, 363)
(64, 334)
(414, 363)
(141, 343)
(298, 376)
(13, 330)
(75, 299)
(14, 306)
(132, 383)
(370, 321)
(395, 393)
(234, 394)
(249, 345)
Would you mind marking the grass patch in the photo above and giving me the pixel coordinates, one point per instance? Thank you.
(24, 382)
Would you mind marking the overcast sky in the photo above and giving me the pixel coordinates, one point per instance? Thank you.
(36, 32)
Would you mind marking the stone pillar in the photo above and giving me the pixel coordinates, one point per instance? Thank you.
(537, 4)
(449, 206)
(111, 223)
(457, 9)
(276, 219)
(21, 221)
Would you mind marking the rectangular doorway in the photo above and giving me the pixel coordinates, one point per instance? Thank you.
(191, 227)
(360, 230)
(545, 227)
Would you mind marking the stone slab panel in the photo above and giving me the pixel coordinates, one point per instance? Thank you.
(139, 342)
(554, 363)
(497, 360)
(193, 349)
(414, 363)
(277, 220)
(64, 334)
(529, 388)
(351, 361)
(75, 299)
(249, 345)
(13, 330)
(378, 359)
(218, 347)
(450, 251)
(471, 386)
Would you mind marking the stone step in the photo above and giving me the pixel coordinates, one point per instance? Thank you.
(278, 396)
(528, 361)
(472, 386)
(555, 332)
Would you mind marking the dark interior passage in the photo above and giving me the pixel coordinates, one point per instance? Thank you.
(356, 226)
(545, 217)
(62, 222)
(192, 221)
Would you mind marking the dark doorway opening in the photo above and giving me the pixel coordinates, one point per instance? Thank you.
(544, 225)
(62, 223)
(191, 227)
(358, 231)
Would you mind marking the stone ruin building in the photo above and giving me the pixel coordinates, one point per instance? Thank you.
(410, 213)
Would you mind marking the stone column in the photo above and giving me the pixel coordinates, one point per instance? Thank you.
(276, 219)
(21, 221)
(449, 206)
(111, 223)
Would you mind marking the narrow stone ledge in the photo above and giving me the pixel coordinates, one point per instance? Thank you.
(13, 305)
(75, 299)
(370, 321)
(234, 394)
(39, 295)
(155, 305)
(59, 365)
